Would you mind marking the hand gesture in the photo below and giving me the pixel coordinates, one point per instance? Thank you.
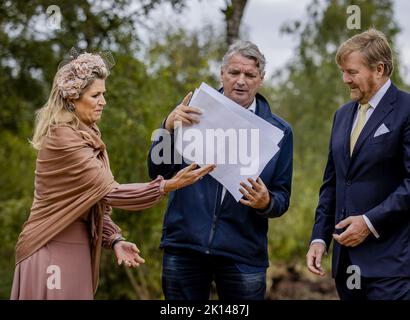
(185, 114)
(127, 253)
(187, 176)
(257, 196)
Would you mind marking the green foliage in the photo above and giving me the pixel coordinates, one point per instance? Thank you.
(147, 81)
(13, 213)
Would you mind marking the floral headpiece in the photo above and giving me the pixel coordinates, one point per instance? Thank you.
(75, 71)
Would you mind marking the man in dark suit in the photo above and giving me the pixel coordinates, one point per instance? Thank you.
(364, 202)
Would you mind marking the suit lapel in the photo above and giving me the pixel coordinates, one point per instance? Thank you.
(384, 107)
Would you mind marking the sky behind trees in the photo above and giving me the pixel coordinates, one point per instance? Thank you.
(262, 22)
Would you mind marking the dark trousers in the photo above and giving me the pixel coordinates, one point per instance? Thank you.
(394, 288)
(188, 275)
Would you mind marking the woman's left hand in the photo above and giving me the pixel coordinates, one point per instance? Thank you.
(128, 253)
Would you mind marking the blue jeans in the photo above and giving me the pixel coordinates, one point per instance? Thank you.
(187, 275)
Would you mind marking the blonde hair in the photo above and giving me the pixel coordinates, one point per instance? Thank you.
(373, 46)
(70, 82)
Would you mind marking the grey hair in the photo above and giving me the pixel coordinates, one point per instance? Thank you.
(248, 50)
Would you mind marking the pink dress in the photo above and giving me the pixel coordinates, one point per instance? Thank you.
(61, 270)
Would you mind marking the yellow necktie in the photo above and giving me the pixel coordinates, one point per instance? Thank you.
(361, 120)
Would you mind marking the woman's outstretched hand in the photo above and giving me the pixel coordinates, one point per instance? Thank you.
(187, 176)
(127, 253)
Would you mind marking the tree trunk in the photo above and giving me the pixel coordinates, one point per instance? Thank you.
(233, 16)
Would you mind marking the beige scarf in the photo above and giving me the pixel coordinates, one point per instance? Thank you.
(72, 176)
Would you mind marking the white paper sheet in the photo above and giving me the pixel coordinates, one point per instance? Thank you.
(239, 142)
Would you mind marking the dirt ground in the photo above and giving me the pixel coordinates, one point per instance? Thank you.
(293, 281)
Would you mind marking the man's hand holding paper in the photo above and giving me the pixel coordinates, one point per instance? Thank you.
(183, 113)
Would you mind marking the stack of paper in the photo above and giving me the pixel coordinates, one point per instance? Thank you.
(239, 142)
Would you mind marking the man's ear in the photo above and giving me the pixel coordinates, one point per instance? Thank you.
(262, 78)
(380, 69)
(221, 83)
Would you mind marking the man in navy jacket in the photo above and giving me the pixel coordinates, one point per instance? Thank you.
(207, 235)
(364, 202)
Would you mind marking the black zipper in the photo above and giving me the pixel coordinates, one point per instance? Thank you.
(214, 220)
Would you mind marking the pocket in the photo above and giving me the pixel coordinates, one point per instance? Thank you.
(383, 137)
